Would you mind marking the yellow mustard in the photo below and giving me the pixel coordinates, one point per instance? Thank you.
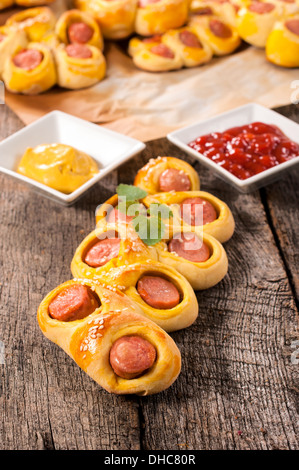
(59, 166)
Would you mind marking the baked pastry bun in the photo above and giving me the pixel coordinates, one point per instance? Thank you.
(221, 36)
(191, 209)
(36, 22)
(255, 22)
(158, 16)
(10, 41)
(164, 174)
(6, 4)
(106, 248)
(106, 335)
(282, 47)
(163, 294)
(192, 49)
(137, 44)
(224, 9)
(154, 55)
(79, 65)
(115, 17)
(198, 256)
(30, 71)
(75, 26)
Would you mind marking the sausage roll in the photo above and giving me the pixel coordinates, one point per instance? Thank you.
(224, 9)
(30, 71)
(221, 36)
(282, 47)
(79, 65)
(6, 4)
(163, 294)
(107, 248)
(10, 42)
(164, 174)
(192, 49)
(36, 22)
(255, 22)
(158, 16)
(137, 44)
(106, 335)
(75, 26)
(197, 209)
(115, 17)
(200, 258)
(154, 55)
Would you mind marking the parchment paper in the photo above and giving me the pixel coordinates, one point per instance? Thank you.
(149, 105)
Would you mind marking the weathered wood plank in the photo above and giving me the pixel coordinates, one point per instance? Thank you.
(282, 202)
(46, 400)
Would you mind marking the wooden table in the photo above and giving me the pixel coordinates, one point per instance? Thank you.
(237, 388)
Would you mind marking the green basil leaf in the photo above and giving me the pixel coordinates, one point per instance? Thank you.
(131, 208)
(130, 192)
(149, 229)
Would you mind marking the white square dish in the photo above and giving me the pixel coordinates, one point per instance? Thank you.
(108, 148)
(238, 117)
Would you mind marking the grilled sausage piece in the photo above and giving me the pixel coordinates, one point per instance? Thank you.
(131, 356)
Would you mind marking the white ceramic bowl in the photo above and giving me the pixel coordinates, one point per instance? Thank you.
(108, 148)
(238, 117)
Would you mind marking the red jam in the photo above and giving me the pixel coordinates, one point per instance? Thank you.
(247, 150)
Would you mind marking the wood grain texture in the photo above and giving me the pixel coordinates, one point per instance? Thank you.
(282, 202)
(237, 388)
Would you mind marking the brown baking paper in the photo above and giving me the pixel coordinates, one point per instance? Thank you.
(149, 105)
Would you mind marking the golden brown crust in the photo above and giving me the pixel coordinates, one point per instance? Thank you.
(73, 16)
(225, 10)
(132, 250)
(6, 4)
(36, 22)
(222, 228)
(201, 275)
(220, 45)
(191, 56)
(157, 18)
(125, 278)
(282, 47)
(75, 73)
(144, 57)
(88, 341)
(42, 78)
(13, 41)
(254, 28)
(116, 18)
(147, 177)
